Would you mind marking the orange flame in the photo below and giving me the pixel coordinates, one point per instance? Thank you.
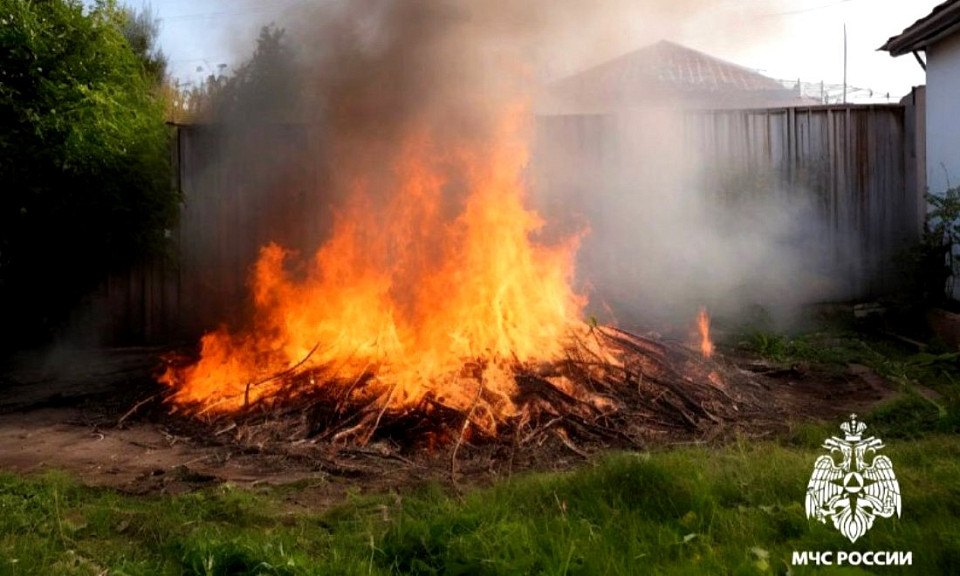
(703, 326)
(405, 292)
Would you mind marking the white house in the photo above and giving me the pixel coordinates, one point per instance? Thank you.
(938, 36)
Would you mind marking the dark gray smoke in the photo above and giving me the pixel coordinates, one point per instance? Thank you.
(348, 81)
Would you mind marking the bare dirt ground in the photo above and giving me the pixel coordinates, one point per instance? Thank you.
(71, 410)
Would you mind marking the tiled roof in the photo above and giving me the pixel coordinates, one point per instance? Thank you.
(669, 70)
(678, 68)
(943, 21)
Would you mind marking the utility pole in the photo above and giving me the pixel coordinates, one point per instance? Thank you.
(844, 62)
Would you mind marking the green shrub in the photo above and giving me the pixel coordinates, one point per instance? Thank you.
(84, 158)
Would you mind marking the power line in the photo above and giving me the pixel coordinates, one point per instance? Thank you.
(805, 10)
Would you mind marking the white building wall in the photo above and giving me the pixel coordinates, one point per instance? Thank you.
(943, 115)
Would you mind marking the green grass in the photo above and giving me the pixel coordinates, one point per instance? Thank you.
(938, 369)
(733, 510)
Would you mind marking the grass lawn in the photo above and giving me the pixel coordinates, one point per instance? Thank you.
(736, 509)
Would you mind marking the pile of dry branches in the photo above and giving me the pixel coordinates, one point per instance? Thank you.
(612, 388)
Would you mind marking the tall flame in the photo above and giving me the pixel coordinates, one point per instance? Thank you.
(407, 289)
(703, 327)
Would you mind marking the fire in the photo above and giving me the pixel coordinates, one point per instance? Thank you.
(703, 327)
(410, 295)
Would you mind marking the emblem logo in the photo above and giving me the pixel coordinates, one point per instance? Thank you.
(855, 489)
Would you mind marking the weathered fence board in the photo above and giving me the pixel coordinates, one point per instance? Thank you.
(851, 160)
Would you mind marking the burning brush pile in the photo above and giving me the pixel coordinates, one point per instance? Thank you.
(417, 328)
(435, 313)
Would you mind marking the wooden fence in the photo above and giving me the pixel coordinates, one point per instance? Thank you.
(858, 163)
(851, 161)
(241, 191)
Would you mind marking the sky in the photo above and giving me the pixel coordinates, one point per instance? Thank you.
(783, 39)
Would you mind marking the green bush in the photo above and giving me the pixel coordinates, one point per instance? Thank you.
(84, 158)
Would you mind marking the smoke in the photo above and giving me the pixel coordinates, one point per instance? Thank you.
(349, 81)
(676, 224)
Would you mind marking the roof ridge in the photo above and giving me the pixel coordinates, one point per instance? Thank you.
(708, 56)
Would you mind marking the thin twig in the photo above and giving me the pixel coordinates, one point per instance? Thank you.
(386, 404)
(346, 394)
(540, 430)
(135, 408)
(249, 385)
(562, 435)
(287, 371)
(343, 433)
(384, 454)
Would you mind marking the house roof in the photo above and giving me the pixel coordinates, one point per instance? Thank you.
(674, 71)
(943, 21)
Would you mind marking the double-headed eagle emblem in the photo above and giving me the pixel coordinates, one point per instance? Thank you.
(852, 485)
